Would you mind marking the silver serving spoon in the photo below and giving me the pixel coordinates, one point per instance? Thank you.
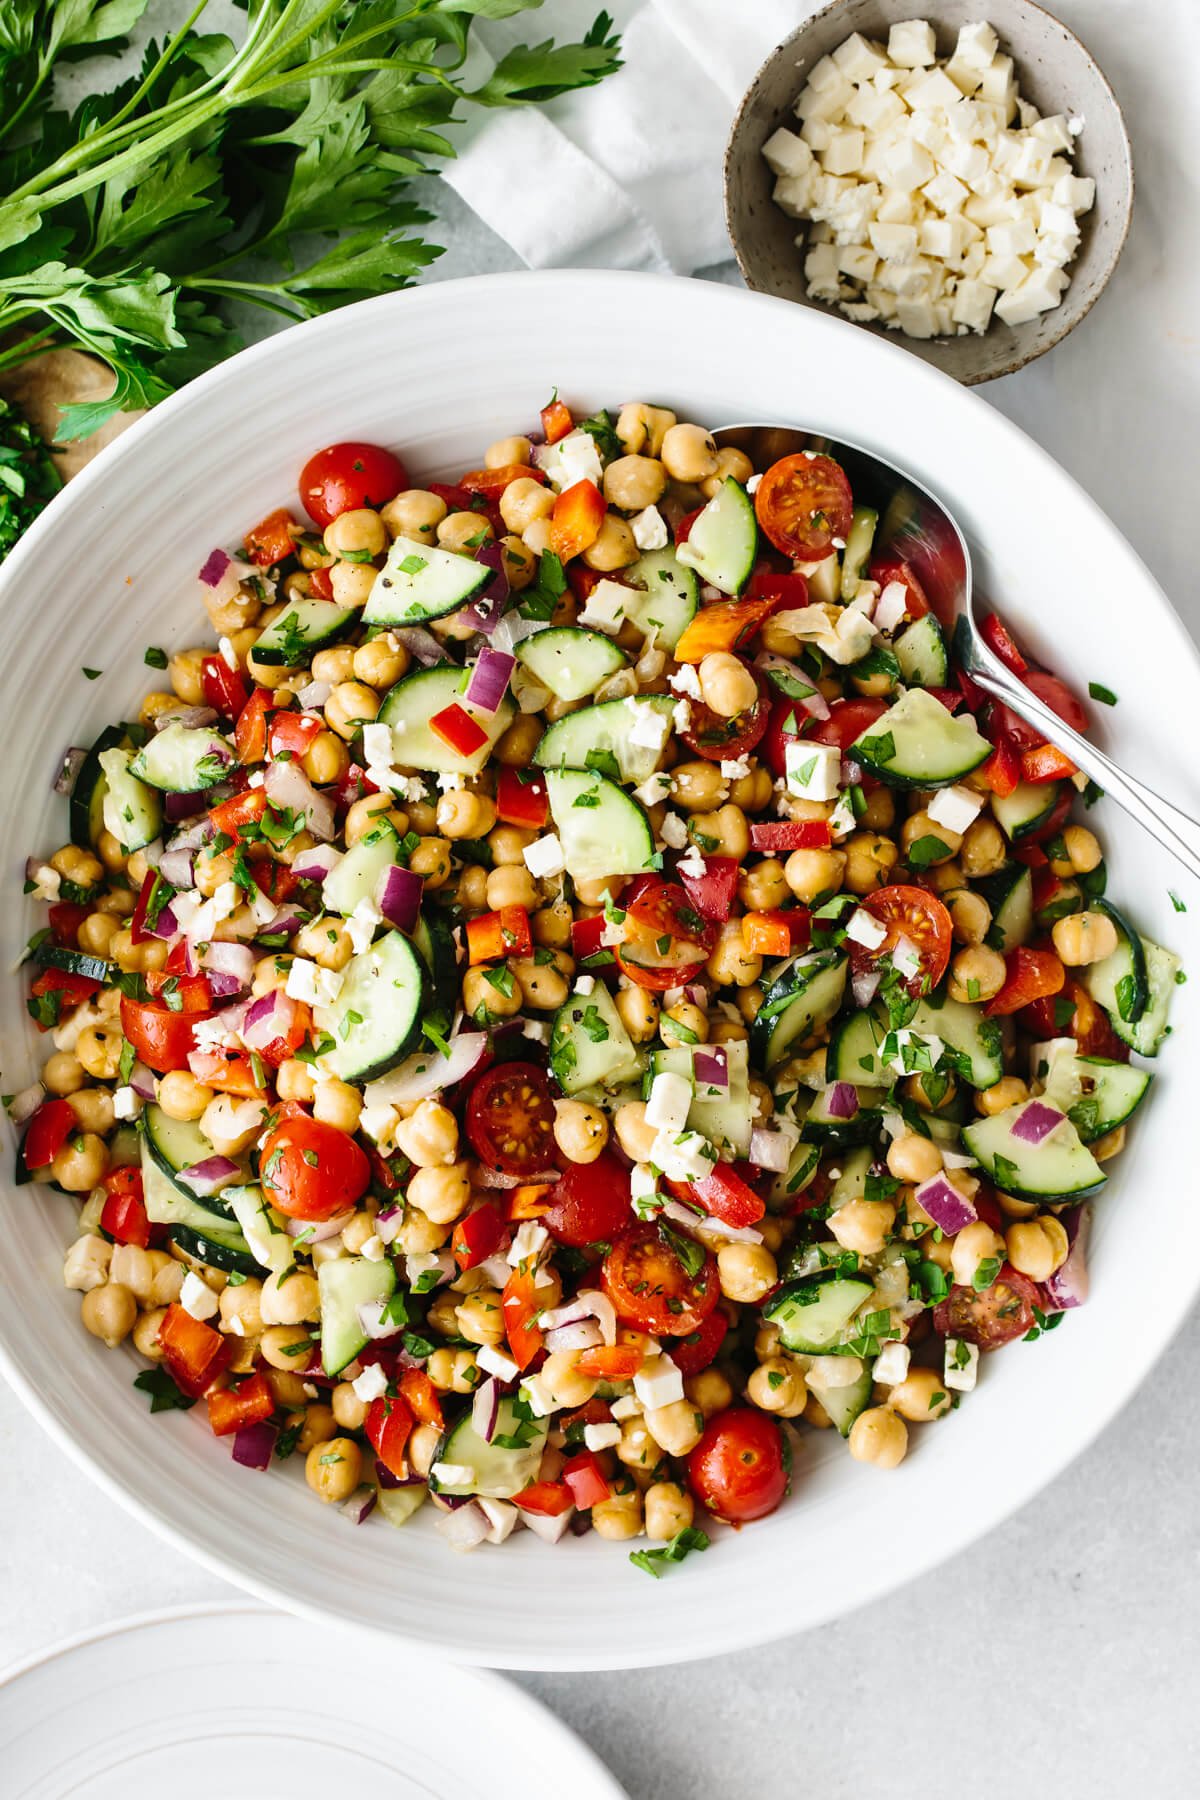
(915, 525)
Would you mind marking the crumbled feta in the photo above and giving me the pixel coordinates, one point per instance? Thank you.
(683, 1155)
(891, 1365)
(601, 1437)
(906, 958)
(864, 928)
(315, 986)
(197, 1298)
(685, 680)
(681, 716)
(658, 1382)
(47, 883)
(453, 1475)
(529, 1240)
(362, 924)
(127, 1103)
(955, 808)
(449, 784)
(533, 1391)
(496, 1363)
(544, 857)
(228, 654)
(691, 863)
(752, 486)
(649, 528)
(674, 831)
(536, 1030)
(584, 984)
(627, 1407)
(843, 820)
(379, 1123)
(574, 458)
(656, 787)
(1043, 1056)
(378, 744)
(373, 1249)
(643, 1183)
(736, 768)
(604, 609)
(911, 44)
(651, 726)
(813, 770)
(371, 1384)
(669, 1102)
(961, 1368)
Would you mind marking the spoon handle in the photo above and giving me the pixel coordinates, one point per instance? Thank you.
(1176, 830)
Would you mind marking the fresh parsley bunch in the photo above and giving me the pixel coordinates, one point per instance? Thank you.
(130, 226)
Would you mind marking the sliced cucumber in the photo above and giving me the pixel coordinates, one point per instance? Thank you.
(360, 874)
(175, 1144)
(858, 548)
(1135, 986)
(853, 1051)
(409, 706)
(723, 541)
(1009, 893)
(589, 1046)
(499, 1469)
(399, 1505)
(91, 785)
(976, 1044)
(262, 1227)
(167, 1204)
(921, 652)
(824, 579)
(722, 1115)
(376, 1019)
(1060, 1167)
(74, 962)
(225, 1249)
(665, 597)
(601, 738)
(1026, 808)
(844, 1404)
(918, 743)
(851, 1183)
(805, 994)
(570, 662)
(182, 760)
(419, 582)
(1096, 1095)
(127, 807)
(434, 944)
(800, 1173)
(602, 831)
(293, 639)
(830, 1130)
(344, 1285)
(812, 1316)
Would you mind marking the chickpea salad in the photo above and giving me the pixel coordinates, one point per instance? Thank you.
(570, 985)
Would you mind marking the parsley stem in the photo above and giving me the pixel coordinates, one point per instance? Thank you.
(169, 51)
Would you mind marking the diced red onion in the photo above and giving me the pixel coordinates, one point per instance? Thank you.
(465, 1528)
(485, 1408)
(186, 806)
(386, 1479)
(289, 787)
(589, 1303)
(496, 1178)
(1036, 1122)
(949, 1210)
(317, 1233)
(711, 1066)
(702, 1226)
(400, 898)
(851, 773)
(143, 1081)
(421, 645)
(770, 1150)
(583, 1335)
(286, 922)
(427, 1073)
(231, 964)
(371, 1318)
(496, 1268)
(190, 837)
(68, 774)
(192, 718)
(267, 1018)
(317, 862)
(1070, 1283)
(165, 926)
(815, 704)
(696, 993)
(209, 1176)
(153, 854)
(22, 1106)
(253, 1445)
(215, 566)
(483, 613)
(490, 678)
(314, 695)
(388, 1223)
(360, 1505)
(841, 1100)
(864, 984)
(547, 1528)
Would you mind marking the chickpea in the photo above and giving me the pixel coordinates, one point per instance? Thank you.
(454, 1371)
(977, 974)
(1036, 1247)
(289, 1297)
(676, 1428)
(184, 672)
(232, 1125)
(732, 465)
(731, 964)
(920, 828)
(515, 748)
(1110, 1145)
(511, 885)
(95, 932)
(480, 1319)
(920, 1397)
(93, 1108)
(336, 1103)
(642, 428)
(863, 1225)
(508, 845)
(536, 539)
(508, 453)
(325, 941)
(357, 531)
(348, 1410)
(689, 453)
(365, 815)
(669, 1510)
(1083, 849)
(683, 1025)
(913, 1158)
(970, 915)
(634, 482)
(973, 1245)
(109, 1313)
(763, 888)
(350, 705)
(241, 1309)
(983, 848)
(635, 1137)
(637, 1449)
(471, 891)
(333, 1469)
(935, 1098)
(812, 874)
(580, 1131)
(429, 1136)
(638, 1013)
(523, 501)
(542, 986)
(63, 1073)
(81, 1164)
(563, 1383)
(352, 582)
(710, 1391)
(87, 1263)
(619, 1517)
(414, 514)
(1006, 1092)
(442, 1194)
(119, 903)
(462, 814)
(747, 1272)
(146, 1328)
(431, 860)
(551, 925)
(381, 661)
(614, 546)
(870, 859)
(698, 786)
(726, 684)
(286, 1347)
(726, 1031)
(879, 1437)
(487, 993)
(181, 1096)
(1085, 937)
(464, 532)
(334, 665)
(778, 1386)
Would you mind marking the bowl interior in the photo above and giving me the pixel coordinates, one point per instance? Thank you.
(440, 372)
(1053, 70)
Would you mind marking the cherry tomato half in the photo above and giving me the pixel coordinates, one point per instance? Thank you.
(804, 502)
(737, 1469)
(1073, 1013)
(993, 1317)
(666, 938)
(909, 912)
(718, 739)
(510, 1118)
(160, 1037)
(312, 1171)
(650, 1288)
(698, 1350)
(343, 477)
(590, 1203)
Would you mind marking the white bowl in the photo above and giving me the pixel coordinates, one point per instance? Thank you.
(440, 372)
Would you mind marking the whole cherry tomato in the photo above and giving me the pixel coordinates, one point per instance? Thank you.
(590, 1203)
(344, 477)
(312, 1171)
(737, 1470)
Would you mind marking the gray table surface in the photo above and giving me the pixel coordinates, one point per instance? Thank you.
(1060, 1651)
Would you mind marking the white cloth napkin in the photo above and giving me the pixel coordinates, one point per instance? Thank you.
(626, 174)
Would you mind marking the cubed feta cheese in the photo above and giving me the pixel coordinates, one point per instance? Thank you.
(674, 831)
(845, 153)
(574, 458)
(1076, 192)
(934, 91)
(891, 1365)
(127, 1103)
(649, 528)
(682, 1155)
(812, 770)
(974, 53)
(627, 1407)
(895, 243)
(379, 1123)
(859, 59)
(529, 1240)
(371, 1384)
(544, 857)
(961, 1368)
(895, 208)
(972, 308)
(363, 923)
(651, 727)
(786, 154)
(954, 807)
(658, 1382)
(502, 1517)
(377, 743)
(907, 165)
(496, 1363)
(864, 928)
(997, 85)
(946, 192)
(793, 195)
(911, 44)
(874, 110)
(1039, 292)
(197, 1298)
(827, 102)
(669, 1102)
(453, 1475)
(604, 609)
(601, 1437)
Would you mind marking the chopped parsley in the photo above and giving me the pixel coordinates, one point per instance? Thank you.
(656, 1562)
(1105, 695)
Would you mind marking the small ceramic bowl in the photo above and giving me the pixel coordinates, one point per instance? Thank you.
(1053, 70)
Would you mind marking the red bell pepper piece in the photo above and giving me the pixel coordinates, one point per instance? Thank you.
(421, 1397)
(712, 894)
(1002, 770)
(493, 482)
(575, 523)
(949, 697)
(477, 1235)
(48, 1130)
(723, 1194)
(529, 1201)
(556, 420)
(250, 734)
(458, 729)
(251, 1402)
(780, 839)
(240, 810)
(1000, 641)
(1046, 763)
(272, 540)
(1031, 975)
(548, 1498)
(520, 1306)
(586, 1480)
(293, 732)
(496, 934)
(521, 799)
(75, 989)
(153, 885)
(586, 935)
(788, 590)
(388, 1426)
(723, 626)
(683, 530)
(66, 916)
(228, 1071)
(224, 689)
(611, 1362)
(770, 933)
(192, 991)
(123, 1214)
(193, 1352)
(320, 584)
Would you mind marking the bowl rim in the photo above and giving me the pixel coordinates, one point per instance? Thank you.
(566, 289)
(1060, 328)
